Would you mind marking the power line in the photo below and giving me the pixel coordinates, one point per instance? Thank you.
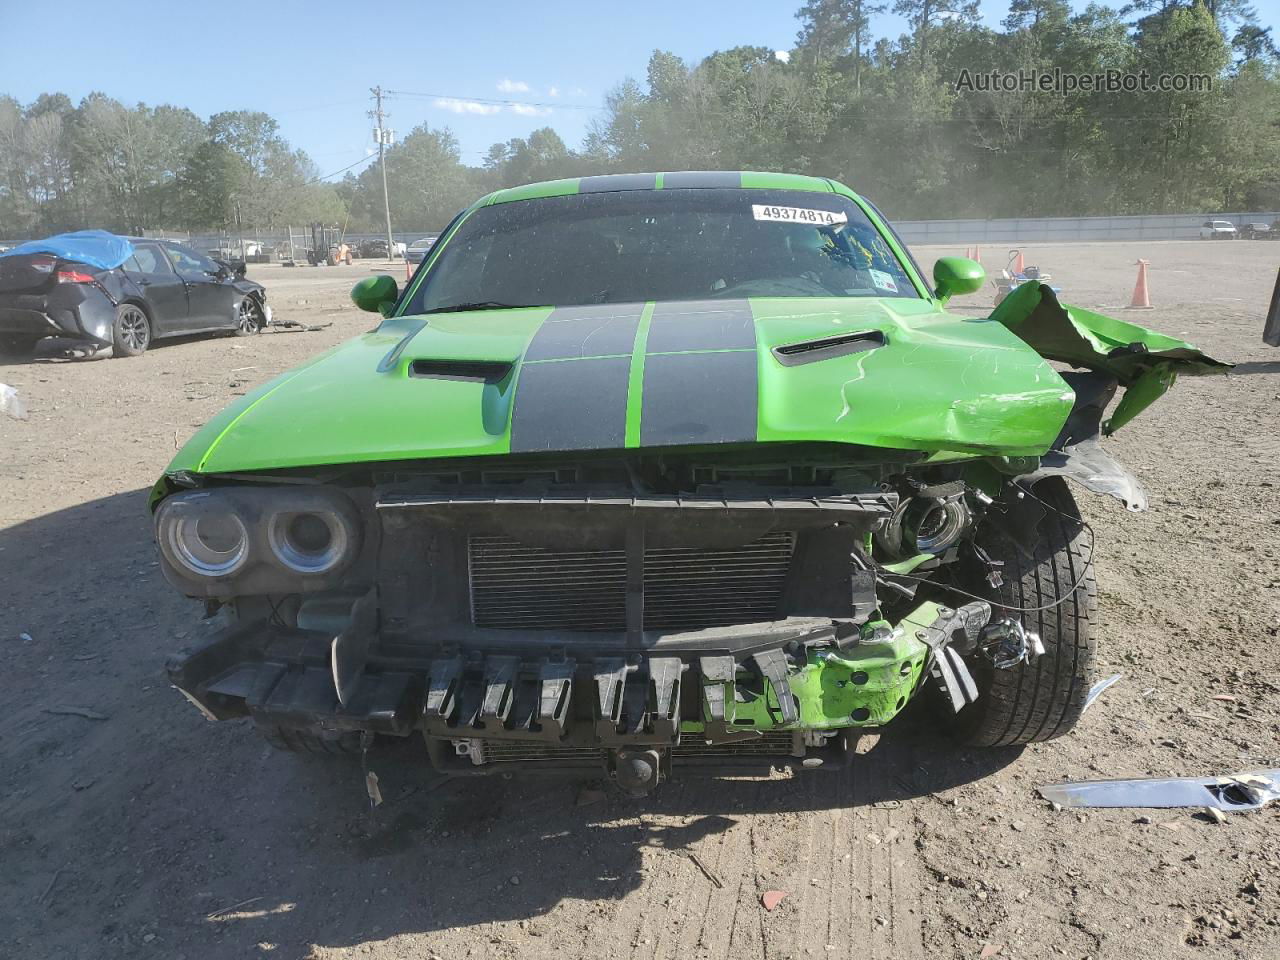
(336, 172)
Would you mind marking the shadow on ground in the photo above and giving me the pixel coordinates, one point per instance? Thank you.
(145, 824)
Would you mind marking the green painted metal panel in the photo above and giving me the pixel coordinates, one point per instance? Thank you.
(341, 409)
(939, 383)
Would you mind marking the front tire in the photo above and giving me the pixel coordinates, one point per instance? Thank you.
(248, 318)
(1043, 699)
(131, 333)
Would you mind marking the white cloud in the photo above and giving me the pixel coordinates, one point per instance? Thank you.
(782, 56)
(529, 110)
(553, 92)
(466, 106)
(578, 92)
(513, 86)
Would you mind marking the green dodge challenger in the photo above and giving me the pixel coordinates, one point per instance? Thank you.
(650, 471)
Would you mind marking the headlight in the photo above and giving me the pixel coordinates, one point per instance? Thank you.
(924, 525)
(209, 540)
(308, 541)
(280, 539)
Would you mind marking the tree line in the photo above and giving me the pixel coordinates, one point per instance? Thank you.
(104, 164)
(899, 119)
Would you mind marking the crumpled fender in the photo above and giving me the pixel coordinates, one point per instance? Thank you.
(1145, 362)
(1077, 453)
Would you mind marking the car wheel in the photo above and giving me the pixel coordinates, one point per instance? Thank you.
(304, 741)
(17, 346)
(1044, 698)
(131, 334)
(248, 318)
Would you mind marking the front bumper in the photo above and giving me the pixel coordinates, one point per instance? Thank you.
(553, 710)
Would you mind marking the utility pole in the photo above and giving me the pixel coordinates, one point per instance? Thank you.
(382, 134)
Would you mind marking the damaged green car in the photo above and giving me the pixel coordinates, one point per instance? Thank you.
(650, 471)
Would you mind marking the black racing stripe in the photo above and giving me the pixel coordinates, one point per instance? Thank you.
(690, 179)
(601, 330)
(571, 405)
(699, 398)
(701, 325)
(618, 181)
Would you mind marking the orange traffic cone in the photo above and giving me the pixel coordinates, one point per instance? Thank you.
(1019, 264)
(1141, 298)
(977, 255)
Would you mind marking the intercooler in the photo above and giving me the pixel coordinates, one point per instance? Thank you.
(517, 586)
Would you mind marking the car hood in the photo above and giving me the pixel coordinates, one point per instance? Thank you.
(895, 373)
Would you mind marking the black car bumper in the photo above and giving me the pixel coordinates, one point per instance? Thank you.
(69, 310)
(497, 713)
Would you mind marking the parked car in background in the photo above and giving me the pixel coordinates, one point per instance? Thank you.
(376, 248)
(120, 292)
(1258, 231)
(1218, 230)
(419, 249)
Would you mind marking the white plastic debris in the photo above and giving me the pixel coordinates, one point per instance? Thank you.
(1096, 691)
(11, 404)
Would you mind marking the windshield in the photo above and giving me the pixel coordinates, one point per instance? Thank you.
(628, 246)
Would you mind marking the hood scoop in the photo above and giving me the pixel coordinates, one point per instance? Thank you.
(466, 371)
(825, 348)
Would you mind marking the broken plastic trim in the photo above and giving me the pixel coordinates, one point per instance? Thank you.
(1233, 794)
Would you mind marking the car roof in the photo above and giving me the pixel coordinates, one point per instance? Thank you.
(670, 180)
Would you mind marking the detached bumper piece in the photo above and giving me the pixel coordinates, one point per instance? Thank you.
(634, 716)
(284, 678)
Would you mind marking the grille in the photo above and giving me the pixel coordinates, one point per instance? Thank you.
(515, 586)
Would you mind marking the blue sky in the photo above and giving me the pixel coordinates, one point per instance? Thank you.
(311, 64)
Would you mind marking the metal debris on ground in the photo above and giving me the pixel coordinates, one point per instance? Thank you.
(300, 327)
(235, 906)
(1231, 794)
(77, 712)
(1097, 690)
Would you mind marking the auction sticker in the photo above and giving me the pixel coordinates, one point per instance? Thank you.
(883, 281)
(821, 218)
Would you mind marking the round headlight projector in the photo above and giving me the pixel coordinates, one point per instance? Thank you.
(925, 525)
(308, 542)
(211, 544)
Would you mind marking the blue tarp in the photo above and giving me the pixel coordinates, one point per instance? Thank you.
(97, 248)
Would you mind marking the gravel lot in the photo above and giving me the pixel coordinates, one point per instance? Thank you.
(139, 830)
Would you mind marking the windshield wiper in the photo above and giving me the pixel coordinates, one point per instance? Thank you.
(480, 305)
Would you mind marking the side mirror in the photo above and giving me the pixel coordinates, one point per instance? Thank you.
(377, 294)
(956, 275)
(240, 268)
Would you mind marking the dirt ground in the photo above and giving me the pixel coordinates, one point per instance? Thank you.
(140, 830)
